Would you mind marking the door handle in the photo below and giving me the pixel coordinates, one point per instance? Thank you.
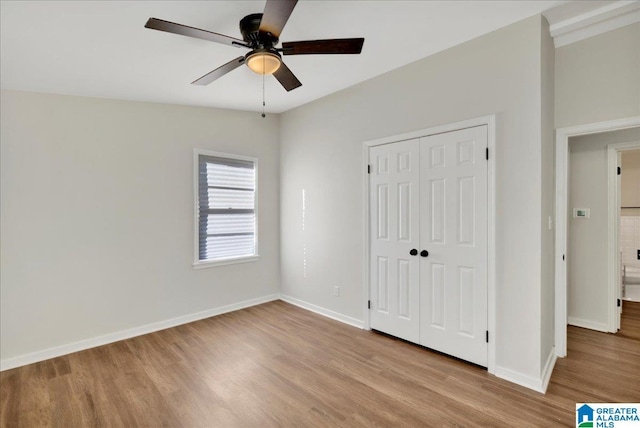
(424, 253)
(413, 252)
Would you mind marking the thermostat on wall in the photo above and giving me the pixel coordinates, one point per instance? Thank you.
(581, 213)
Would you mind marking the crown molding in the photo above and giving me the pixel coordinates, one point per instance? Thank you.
(607, 18)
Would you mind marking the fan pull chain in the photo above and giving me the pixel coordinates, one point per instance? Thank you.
(263, 103)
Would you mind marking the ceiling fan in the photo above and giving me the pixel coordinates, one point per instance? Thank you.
(260, 33)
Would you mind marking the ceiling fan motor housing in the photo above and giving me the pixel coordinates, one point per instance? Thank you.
(250, 29)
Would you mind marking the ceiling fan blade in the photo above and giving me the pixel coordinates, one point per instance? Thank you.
(328, 46)
(275, 15)
(184, 30)
(286, 78)
(219, 72)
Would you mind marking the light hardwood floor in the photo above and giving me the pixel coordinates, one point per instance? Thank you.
(279, 365)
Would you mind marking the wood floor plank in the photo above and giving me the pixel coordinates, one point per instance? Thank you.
(630, 322)
(277, 365)
(24, 394)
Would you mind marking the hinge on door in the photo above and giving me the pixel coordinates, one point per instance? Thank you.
(487, 338)
(619, 303)
(487, 152)
(369, 304)
(619, 171)
(368, 169)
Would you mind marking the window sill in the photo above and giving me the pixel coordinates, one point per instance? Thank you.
(223, 262)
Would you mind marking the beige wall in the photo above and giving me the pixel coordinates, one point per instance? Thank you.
(587, 238)
(597, 78)
(547, 283)
(97, 216)
(322, 154)
(630, 182)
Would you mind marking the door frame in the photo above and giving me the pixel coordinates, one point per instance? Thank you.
(562, 201)
(490, 122)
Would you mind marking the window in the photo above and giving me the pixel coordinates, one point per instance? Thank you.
(225, 208)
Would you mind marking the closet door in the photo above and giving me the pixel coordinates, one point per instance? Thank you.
(453, 230)
(394, 235)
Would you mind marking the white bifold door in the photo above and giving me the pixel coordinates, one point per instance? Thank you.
(428, 237)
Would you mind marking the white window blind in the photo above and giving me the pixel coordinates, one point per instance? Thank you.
(226, 208)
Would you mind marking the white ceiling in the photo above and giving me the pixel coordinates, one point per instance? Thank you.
(101, 48)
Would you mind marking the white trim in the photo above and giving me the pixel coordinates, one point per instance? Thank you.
(224, 262)
(607, 18)
(562, 201)
(530, 382)
(562, 187)
(34, 357)
(490, 122)
(200, 264)
(591, 325)
(440, 129)
(547, 370)
(366, 224)
(323, 311)
(520, 379)
(613, 255)
(491, 243)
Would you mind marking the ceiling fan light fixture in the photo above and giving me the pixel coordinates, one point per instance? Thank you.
(263, 62)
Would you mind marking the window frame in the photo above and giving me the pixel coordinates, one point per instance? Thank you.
(200, 264)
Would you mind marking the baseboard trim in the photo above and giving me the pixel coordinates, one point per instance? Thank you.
(34, 357)
(592, 325)
(323, 311)
(537, 384)
(520, 379)
(548, 369)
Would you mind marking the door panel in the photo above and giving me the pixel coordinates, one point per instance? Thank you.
(404, 289)
(453, 199)
(437, 211)
(466, 285)
(383, 284)
(383, 211)
(465, 210)
(395, 232)
(404, 212)
(437, 295)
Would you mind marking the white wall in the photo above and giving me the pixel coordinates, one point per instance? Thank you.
(97, 216)
(321, 153)
(586, 243)
(597, 78)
